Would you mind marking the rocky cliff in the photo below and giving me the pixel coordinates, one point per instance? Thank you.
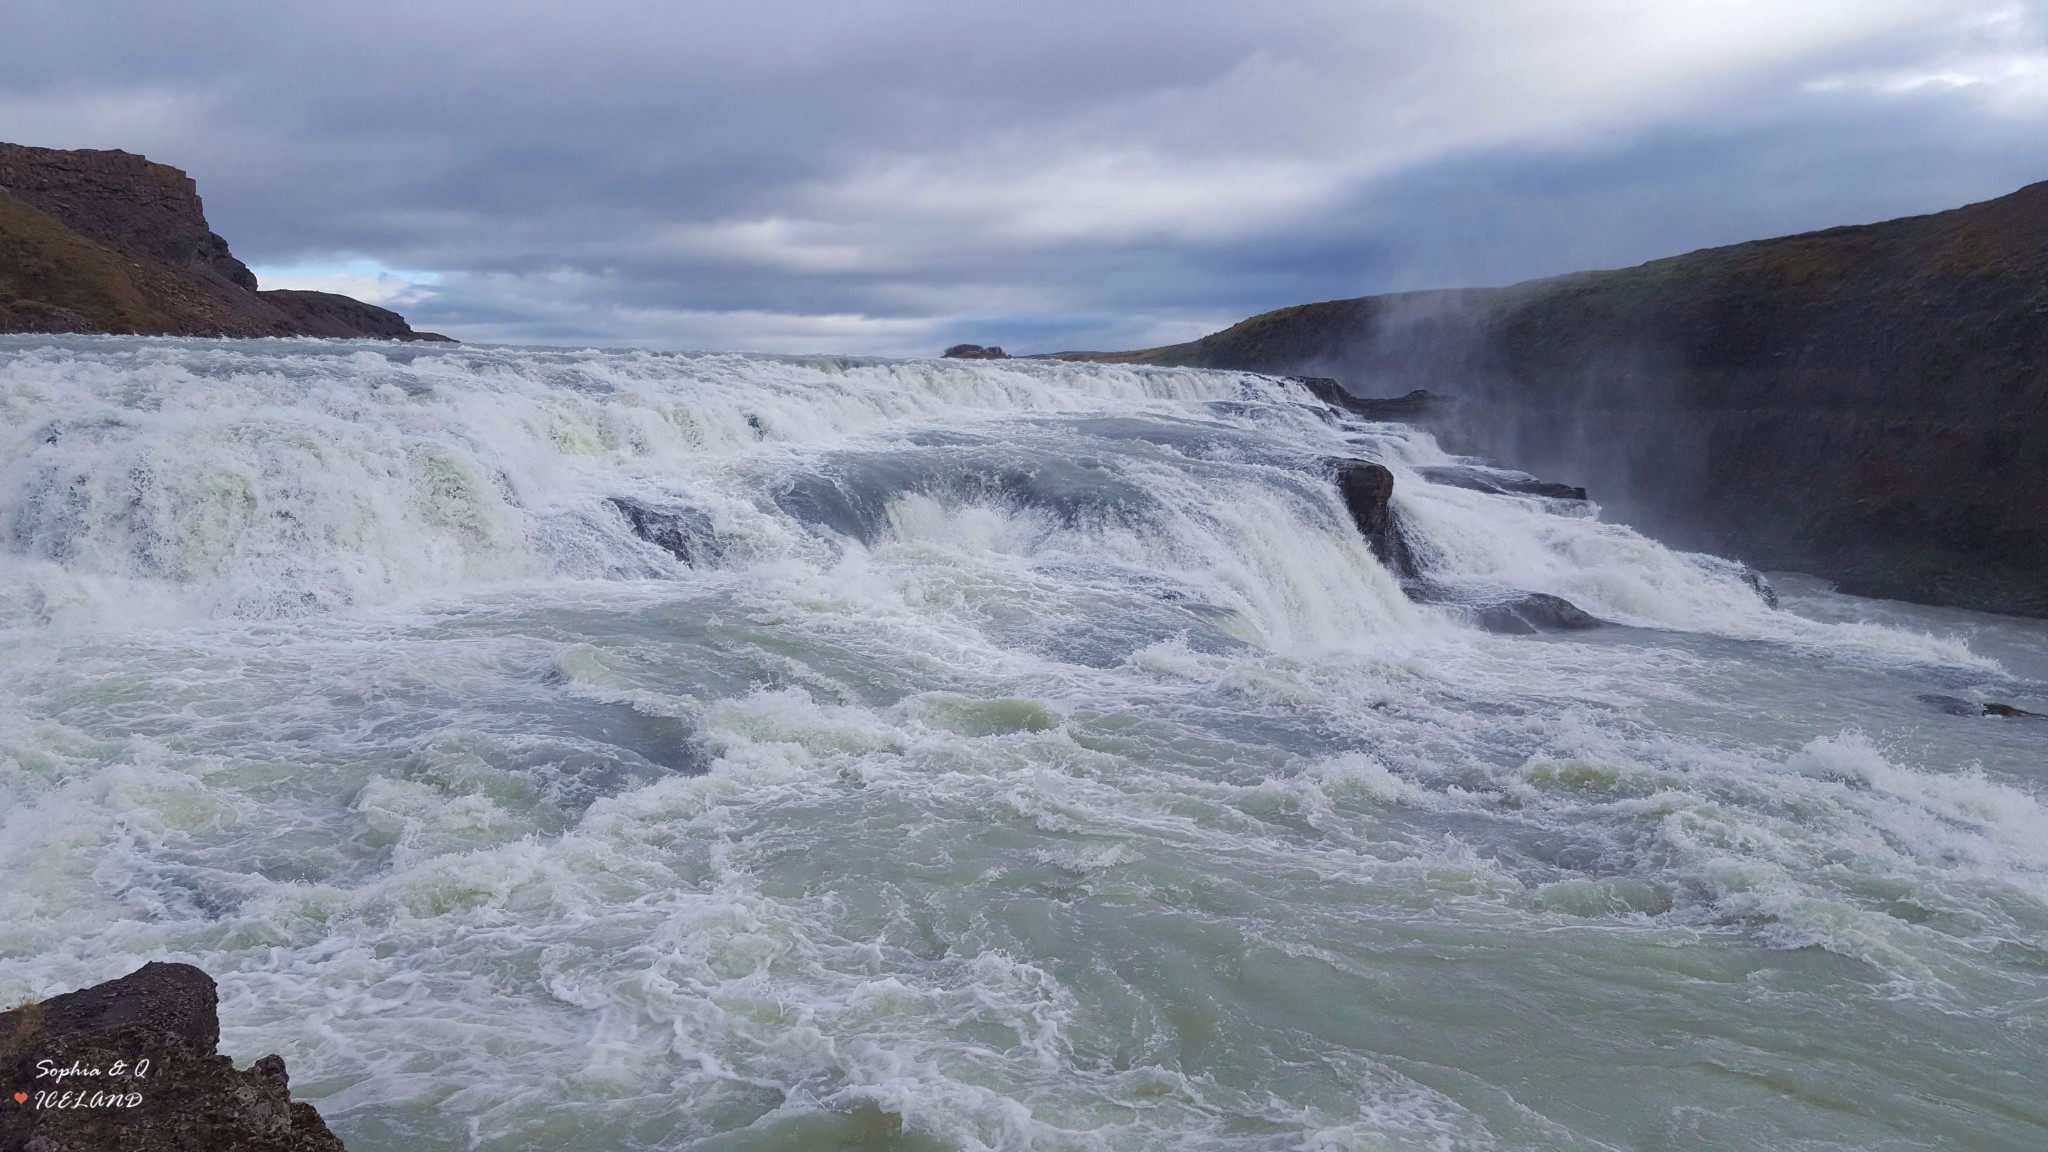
(94, 241)
(1866, 403)
(130, 1064)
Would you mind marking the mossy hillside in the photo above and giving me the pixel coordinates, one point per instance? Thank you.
(46, 269)
(54, 279)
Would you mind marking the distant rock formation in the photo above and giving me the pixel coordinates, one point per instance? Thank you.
(130, 1065)
(1869, 404)
(332, 314)
(109, 242)
(975, 352)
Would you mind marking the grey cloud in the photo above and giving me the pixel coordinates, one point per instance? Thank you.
(891, 176)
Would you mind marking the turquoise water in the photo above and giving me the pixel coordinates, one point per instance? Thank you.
(1030, 756)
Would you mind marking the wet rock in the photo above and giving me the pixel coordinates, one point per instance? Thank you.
(684, 533)
(1372, 407)
(1760, 586)
(1506, 611)
(975, 352)
(1535, 612)
(1957, 706)
(1726, 569)
(1368, 492)
(1499, 481)
(141, 1055)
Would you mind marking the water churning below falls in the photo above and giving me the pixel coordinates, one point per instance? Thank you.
(631, 751)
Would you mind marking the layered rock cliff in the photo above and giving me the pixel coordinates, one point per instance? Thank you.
(1866, 403)
(96, 241)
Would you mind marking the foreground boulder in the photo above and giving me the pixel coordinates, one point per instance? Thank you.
(129, 1066)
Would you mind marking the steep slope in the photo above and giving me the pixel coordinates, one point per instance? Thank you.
(101, 241)
(1866, 403)
(54, 280)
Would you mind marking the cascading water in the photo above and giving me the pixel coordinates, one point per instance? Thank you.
(620, 750)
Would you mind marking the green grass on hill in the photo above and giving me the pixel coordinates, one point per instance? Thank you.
(46, 269)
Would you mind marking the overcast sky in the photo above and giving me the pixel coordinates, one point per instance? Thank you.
(892, 176)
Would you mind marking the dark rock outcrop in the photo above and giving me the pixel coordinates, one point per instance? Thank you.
(143, 1075)
(975, 352)
(685, 533)
(1508, 611)
(1957, 706)
(109, 242)
(1368, 492)
(1760, 586)
(1867, 403)
(1394, 408)
(1535, 612)
(330, 314)
(1499, 482)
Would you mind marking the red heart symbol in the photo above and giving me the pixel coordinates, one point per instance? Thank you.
(21, 1097)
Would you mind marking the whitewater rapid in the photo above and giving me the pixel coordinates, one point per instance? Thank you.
(1008, 755)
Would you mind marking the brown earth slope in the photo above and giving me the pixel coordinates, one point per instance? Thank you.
(110, 242)
(1866, 403)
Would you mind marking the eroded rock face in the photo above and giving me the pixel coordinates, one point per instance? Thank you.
(143, 1075)
(110, 242)
(124, 201)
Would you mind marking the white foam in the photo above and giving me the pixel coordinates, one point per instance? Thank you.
(1008, 824)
